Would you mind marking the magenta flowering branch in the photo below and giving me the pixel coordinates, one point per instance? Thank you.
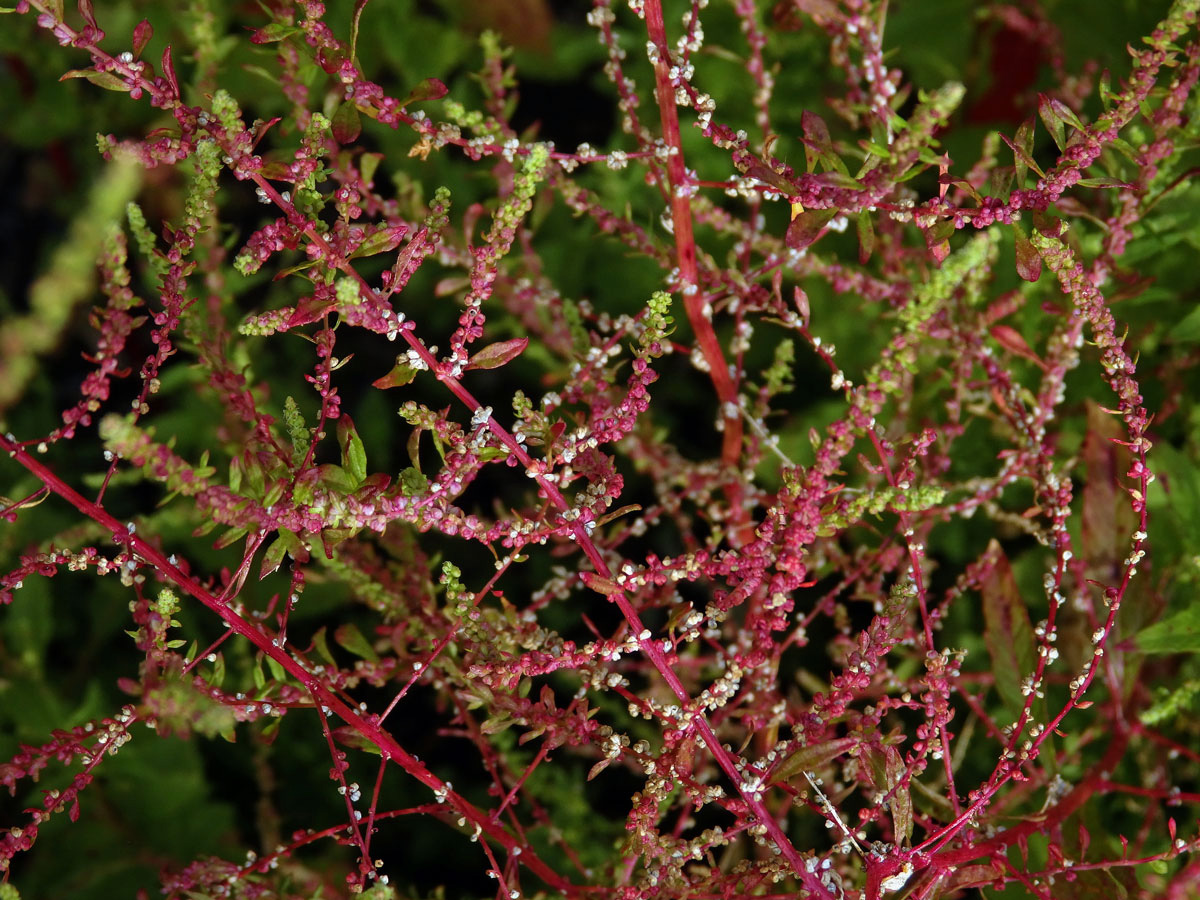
(136, 549)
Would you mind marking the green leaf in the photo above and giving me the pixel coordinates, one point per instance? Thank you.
(1188, 328)
(278, 672)
(1179, 633)
(1022, 148)
(1050, 111)
(412, 482)
(349, 637)
(1007, 631)
(1103, 181)
(106, 80)
(322, 647)
(354, 455)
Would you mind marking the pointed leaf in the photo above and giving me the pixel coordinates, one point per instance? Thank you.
(1103, 181)
(818, 147)
(901, 800)
(276, 31)
(866, 236)
(141, 36)
(807, 227)
(811, 758)
(322, 647)
(350, 737)
(429, 89)
(495, 355)
(1012, 341)
(1179, 633)
(764, 173)
(168, 67)
(1029, 261)
(1107, 519)
(1048, 109)
(383, 240)
(1022, 148)
(349, 637)
(354, 455)
(1007, 632)
(106, 80)
(346, 124)
(89, 15)
(401, 374)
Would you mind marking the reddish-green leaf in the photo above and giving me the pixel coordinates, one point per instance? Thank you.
(495, 355)
(1022, 148)
(807, 227)
(1107, 519)
(142, 33)
(382, 240)
(429, 89)
(818, 147)
(866, 236)
(1051, 112)
(811, 758)
(1012, 341)
(349, 736)
(1103, 181)
(276, 31)
(1029, 261)
(346, 124)
(401, 374)
(901, 800)
(1007, 632)
(765, 174)
(106, 80)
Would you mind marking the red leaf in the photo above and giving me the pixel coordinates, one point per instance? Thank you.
(817, 143)
(89, 15)
(141, 36)
(495, 355)
(1012, 341)
(168, 68)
